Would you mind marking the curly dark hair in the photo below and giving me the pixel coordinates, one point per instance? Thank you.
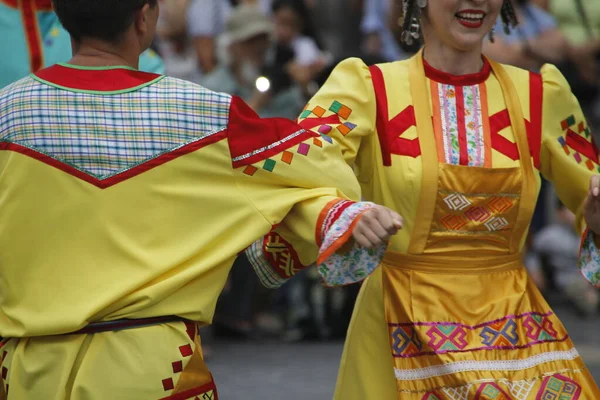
(101, 19)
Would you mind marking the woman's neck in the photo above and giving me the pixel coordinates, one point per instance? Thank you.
(94, 53)
(452, 61)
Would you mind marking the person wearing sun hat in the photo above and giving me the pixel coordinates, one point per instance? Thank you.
(250, 55)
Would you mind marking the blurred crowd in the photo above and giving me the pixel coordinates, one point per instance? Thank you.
(275, 54)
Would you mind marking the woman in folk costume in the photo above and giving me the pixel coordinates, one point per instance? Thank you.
(124, 198)
(457, 143)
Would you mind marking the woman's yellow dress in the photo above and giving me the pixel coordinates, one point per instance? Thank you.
(451, 313)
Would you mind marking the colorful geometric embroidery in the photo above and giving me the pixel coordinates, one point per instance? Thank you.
(447, 337)
(577, 143)
(539, 327)
(406, 341)
(511, 332)
(458, 393)
(501, 389)
(274, 260)
(325, 129)
(477, 211)
(346, 128)
(558, 387)
(340, 109)
(269, 165)
(491, 391)
(250, 170)
(281, 255)
(432, 396)
(287, 156)
(502, 333)
(457, 202)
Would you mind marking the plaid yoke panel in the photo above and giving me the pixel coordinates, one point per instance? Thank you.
(103, 135)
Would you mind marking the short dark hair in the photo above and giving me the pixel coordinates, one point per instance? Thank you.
(101, 19)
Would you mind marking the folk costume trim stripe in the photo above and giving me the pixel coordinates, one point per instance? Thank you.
(473, 365)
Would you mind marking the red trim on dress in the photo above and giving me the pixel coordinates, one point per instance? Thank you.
(536, 96)
(397, 126)
(253, 139)
(383, 118)
(389, 132)
(461, 125)
(32, 34)
(579, 144)
(106, 80)
(458, 80)
(113, 180)
(309, 123)
(277, 261)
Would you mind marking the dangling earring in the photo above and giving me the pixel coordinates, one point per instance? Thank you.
(491, 35)
(412, 24)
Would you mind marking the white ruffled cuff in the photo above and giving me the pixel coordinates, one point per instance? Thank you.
(351, 266)
(589, 258)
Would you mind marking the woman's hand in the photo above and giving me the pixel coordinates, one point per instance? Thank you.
(591, 205)
(377, 225)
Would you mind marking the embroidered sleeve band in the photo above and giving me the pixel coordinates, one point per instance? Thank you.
(274, 260)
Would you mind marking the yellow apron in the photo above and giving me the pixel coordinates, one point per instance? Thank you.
(477, 327)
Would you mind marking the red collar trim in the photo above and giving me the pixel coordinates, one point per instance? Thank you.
(458, 80)
(102, 80)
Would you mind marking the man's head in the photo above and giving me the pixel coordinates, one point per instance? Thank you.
(111, 21)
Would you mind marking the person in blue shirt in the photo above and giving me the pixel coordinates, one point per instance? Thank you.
(33, 38)
(534, 42)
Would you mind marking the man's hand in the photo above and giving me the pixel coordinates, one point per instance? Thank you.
(376, 226)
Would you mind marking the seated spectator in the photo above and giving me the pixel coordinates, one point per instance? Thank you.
(557, 248)
(534, 42)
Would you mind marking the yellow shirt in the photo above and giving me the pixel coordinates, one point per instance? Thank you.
(129, 195)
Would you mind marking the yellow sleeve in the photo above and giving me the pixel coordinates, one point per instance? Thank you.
(298, 181)
(345, 110)
(569, 158)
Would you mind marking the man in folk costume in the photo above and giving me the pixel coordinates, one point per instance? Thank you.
(125, 196)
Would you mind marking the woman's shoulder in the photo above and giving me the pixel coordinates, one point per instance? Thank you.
(364, 65)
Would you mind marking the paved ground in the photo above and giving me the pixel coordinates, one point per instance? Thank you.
(273, 371)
